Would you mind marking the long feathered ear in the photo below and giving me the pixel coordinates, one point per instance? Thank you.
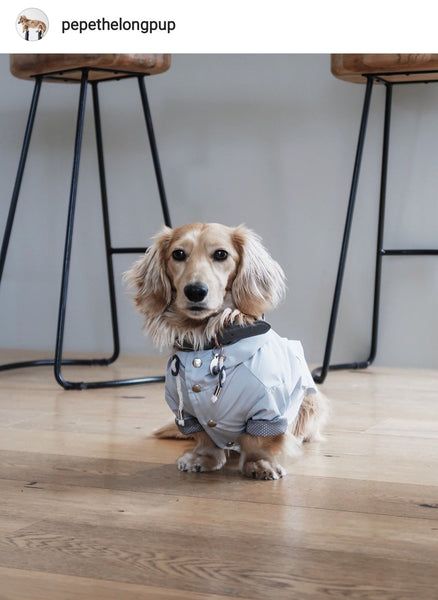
(153, 292)
(260, 282)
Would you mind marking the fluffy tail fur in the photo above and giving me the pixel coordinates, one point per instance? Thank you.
(170, 432)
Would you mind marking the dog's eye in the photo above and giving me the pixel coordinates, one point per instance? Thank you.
(220, 255)
(179, 255)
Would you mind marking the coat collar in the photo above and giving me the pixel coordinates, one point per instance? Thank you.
(229, 335)
(234, 354)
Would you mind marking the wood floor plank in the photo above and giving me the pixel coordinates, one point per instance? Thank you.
(65, 443)
(366, 456)
(380, 535)
(346, 494)
(427, 428)
(209, 561)
(374, 457)
(18, 584)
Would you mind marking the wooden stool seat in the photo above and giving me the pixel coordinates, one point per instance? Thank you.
(66, 68)
(395, 68)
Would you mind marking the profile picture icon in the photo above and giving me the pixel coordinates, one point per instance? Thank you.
(32, 24)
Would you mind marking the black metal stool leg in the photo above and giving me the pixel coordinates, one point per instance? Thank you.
(320, 373)
(19, 176)
(381, 226)
(14, 199)
(69, 236)
(154, 151)
(106, 226)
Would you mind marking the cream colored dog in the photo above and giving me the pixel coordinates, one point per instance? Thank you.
(32, 24)
(232, 382)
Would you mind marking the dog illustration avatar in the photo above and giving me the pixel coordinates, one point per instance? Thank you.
(36, 24)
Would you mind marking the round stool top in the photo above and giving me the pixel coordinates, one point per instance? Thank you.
(394, 68)
(66, 67)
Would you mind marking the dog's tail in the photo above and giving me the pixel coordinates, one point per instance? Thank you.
(170, 432)
(312, 417)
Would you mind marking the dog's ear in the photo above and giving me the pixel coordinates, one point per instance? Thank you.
(153, 291)
(259, 284)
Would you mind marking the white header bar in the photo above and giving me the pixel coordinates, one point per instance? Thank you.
(213, 26)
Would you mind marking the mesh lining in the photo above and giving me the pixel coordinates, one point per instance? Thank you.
(260, 428)
(191, 425)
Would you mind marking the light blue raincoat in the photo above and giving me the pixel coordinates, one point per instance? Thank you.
(267, 378)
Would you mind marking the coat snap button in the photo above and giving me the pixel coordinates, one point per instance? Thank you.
(196, 388)
(197, 362)
(211, 423)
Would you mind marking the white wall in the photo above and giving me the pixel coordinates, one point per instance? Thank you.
(268, 140)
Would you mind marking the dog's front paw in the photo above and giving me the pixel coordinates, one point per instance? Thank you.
(199, 463)
(263, 469)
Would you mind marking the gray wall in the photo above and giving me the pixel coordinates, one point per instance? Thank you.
(267, 140)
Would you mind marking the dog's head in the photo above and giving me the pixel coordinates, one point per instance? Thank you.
(197, 271)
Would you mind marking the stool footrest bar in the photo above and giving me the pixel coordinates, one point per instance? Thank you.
(316, 373)
(91, 385)
(49, 362)
(141, 250)
(384, 252)
(80, 385)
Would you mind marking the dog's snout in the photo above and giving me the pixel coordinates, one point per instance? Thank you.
(196, 292)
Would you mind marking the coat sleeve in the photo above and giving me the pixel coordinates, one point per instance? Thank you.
(267, 414)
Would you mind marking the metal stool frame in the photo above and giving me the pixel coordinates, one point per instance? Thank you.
(319, 374)
(58, 361)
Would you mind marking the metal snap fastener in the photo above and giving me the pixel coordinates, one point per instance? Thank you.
(211, 423)
(196, 388)
(197, 362)
(229, 444)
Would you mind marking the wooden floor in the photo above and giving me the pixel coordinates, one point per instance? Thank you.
(92, 507)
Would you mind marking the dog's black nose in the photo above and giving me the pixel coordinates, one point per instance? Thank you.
(196, 292)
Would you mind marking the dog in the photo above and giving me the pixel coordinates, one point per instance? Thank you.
(231, 382)
(32, 24)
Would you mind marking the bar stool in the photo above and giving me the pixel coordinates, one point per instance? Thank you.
(370, 69)
(85, 69)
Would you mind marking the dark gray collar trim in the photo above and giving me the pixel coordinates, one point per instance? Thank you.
(230, 335)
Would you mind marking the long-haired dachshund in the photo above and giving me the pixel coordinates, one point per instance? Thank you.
(27, 24)
(231, 381)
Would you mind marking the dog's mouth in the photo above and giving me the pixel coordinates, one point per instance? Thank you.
(196, 309)
(198, 312)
